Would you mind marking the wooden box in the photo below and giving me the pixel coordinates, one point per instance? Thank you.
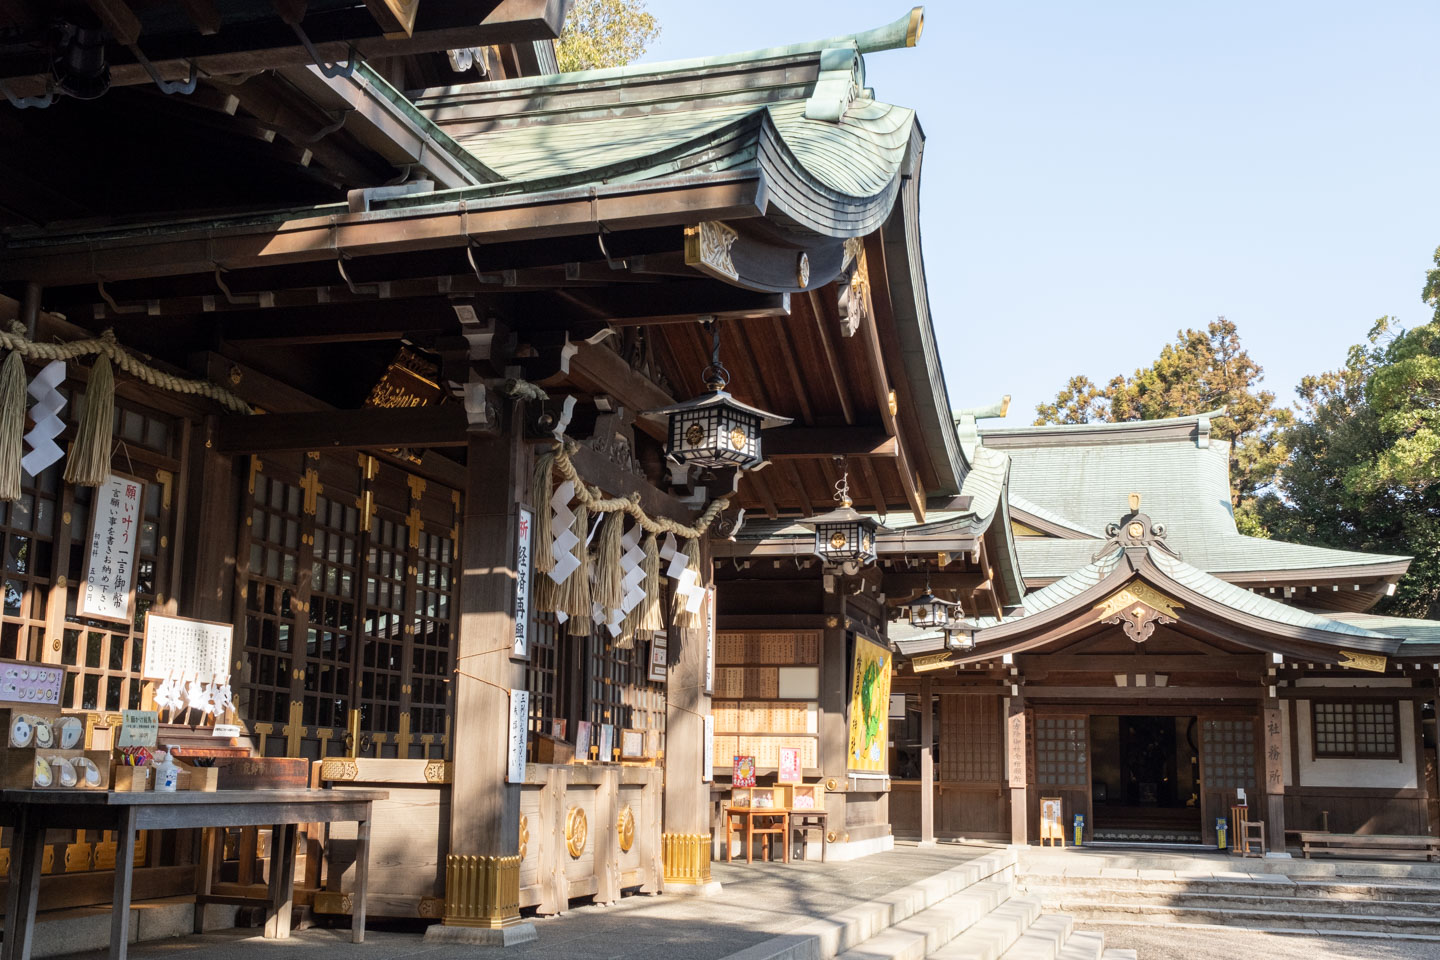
(204, 779)
(806, 796)
(127, 779)
(55, 724)
(17, 768)
(262, 773)
(550, 749)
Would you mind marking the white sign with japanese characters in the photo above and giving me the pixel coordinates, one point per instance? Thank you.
(522, 585)
(186, 649)
(116, 515)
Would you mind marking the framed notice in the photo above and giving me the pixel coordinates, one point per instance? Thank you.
(707, 769)
(522, 585)
(709, 641)
(117, 511)
(607, 742)
(659, 658)
(742, 774)
(191, 649)
(582, 740)
(1052, 820)
(519, 728)
(789, 766)
(632, 744)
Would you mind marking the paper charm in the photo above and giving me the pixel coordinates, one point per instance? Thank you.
(563, 544)
(632, 569)
(168, 696)
(49, 401)
(221, 698)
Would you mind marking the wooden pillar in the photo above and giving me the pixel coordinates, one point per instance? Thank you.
(685, 844)
(1272, 763)
(1017, 750)
(834, 701)
(927, 764)
(482, 874)
(211, 532)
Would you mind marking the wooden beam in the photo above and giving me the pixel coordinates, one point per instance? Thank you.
(1110, 694)
(439, 426)
(762, 489)
(792, 368)
(1140, 663)
(872, 486)
(598, 470)
(203, 14)
(832, 355)
(792, 473)
(119, 20)
(880, 383)
(597, 369)
(676, 301)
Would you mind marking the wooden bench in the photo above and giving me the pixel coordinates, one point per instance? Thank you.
(1368, 845)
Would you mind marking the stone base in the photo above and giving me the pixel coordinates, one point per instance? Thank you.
(856, 849)
(511, 936)
(925, 844)
(708, 889)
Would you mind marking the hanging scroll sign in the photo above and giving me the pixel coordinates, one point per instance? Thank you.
(116, 516)
(522, 585)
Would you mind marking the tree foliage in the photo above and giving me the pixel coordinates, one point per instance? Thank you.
(1363, 465)
(1201, 371)
(605, 33)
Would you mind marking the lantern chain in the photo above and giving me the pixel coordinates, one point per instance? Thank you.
(715, 375)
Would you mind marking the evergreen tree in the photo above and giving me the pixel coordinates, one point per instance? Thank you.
(1202, 370)
(605, 33)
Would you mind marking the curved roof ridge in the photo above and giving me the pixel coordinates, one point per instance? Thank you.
(1101, 426)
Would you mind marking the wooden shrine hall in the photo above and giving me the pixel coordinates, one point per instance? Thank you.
(406, 374)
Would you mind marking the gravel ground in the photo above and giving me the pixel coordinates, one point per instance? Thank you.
(1166, 942)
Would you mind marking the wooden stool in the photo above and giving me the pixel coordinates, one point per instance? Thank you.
(1252, 831)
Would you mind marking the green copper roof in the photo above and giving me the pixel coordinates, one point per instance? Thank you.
(1085, 473)
(1236, 598)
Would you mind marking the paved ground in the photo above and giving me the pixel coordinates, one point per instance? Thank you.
(1160, 942)
(757, 902)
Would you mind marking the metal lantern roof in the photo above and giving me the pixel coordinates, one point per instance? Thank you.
(715, 398)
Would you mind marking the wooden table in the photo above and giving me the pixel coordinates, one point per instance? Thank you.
(32, 812)
(803, 821)
(748, 816)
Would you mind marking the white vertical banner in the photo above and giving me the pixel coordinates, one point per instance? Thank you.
(709, 641)
(522, 584)
(519, 725)
(707, 769)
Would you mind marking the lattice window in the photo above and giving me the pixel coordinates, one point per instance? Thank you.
(272, 601)
(1356, 729)
(331, 634)
(542, 674)
(971, 739)
(617, 690)
(103, 658)
(430, 656)
(1062, 748)
(386, 625)
(1230, 754)
(29, 528)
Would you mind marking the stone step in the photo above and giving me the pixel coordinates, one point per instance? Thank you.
(995, 933)
(929, 930)
(1119, 953)
(840, 932)
(1229, 901)
(1044, 940)
(1083, 945)
(1103, 911)
(1259, 885)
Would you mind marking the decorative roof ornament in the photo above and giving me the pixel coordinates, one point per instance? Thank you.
(1135, 529)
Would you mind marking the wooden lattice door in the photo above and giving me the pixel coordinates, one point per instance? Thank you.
(1228, 758)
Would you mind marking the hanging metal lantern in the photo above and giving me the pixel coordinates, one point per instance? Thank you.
(960, 635)
(714, 429)
(844, 535)
(929, 611)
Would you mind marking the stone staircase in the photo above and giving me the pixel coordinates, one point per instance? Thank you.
(1265, 901)
(970, 912)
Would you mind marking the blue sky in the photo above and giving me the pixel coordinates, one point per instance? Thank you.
(1099, 175)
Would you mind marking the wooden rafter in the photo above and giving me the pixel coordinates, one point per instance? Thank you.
(832, 355)
(880, 383)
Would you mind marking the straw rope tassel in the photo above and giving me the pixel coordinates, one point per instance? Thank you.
(541, 490)
(651, 617)
(89, 463)
(609, 590)
(12, 424)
